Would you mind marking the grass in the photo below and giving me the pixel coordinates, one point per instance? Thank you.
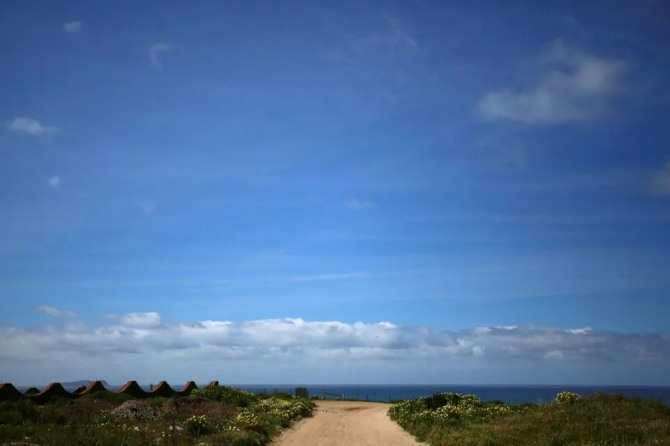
(599, 420)
(209, 416)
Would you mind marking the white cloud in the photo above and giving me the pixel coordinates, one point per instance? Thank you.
(55, 312)
(144, 320)
(578, 86)
(72, 27)
(554, 354)
(30, 126)
(191, 350)
(355, 203)
(155, 51)
(55, 181)
(505, 327)
(660, 180)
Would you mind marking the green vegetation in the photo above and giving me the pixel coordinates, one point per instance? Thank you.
(209, 416)
(454, 419)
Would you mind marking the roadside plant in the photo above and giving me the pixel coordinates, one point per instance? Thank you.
(566, 397)
(197, 426)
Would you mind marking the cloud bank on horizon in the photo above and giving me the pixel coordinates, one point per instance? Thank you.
(254, 188)
(142, 345)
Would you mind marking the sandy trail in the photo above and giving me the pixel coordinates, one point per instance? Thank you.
(350, 423)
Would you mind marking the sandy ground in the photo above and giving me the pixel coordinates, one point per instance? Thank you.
(347, 423)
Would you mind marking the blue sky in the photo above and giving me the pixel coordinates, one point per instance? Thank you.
(266, 192)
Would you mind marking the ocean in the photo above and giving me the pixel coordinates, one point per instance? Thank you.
(506, 393)
(387, 393)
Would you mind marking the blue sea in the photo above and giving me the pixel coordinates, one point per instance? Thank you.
(509, 394)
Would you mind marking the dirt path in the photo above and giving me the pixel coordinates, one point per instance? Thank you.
(347, 423)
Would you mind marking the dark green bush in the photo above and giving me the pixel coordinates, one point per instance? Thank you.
(282, 395)
(441, 399)
(17, 412)
(223, 394)
(108, 397)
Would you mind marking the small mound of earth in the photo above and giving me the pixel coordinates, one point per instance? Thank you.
(136, 410)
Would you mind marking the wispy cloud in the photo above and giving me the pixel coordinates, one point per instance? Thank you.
(155, 52)
(395, 36)
(147, 206)
(55, 312)
(72, 27)
(577, 87)
(55, 181)
(390, 38)
(330, 277)
(660, 180)
(30, 126)
(355, 203)
(140, 338)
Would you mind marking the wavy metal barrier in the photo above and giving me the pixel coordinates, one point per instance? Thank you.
(56, 390)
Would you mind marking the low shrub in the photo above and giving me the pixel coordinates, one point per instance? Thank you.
(228, 395)
(108, 397)
(567, 398)
(197, 425)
